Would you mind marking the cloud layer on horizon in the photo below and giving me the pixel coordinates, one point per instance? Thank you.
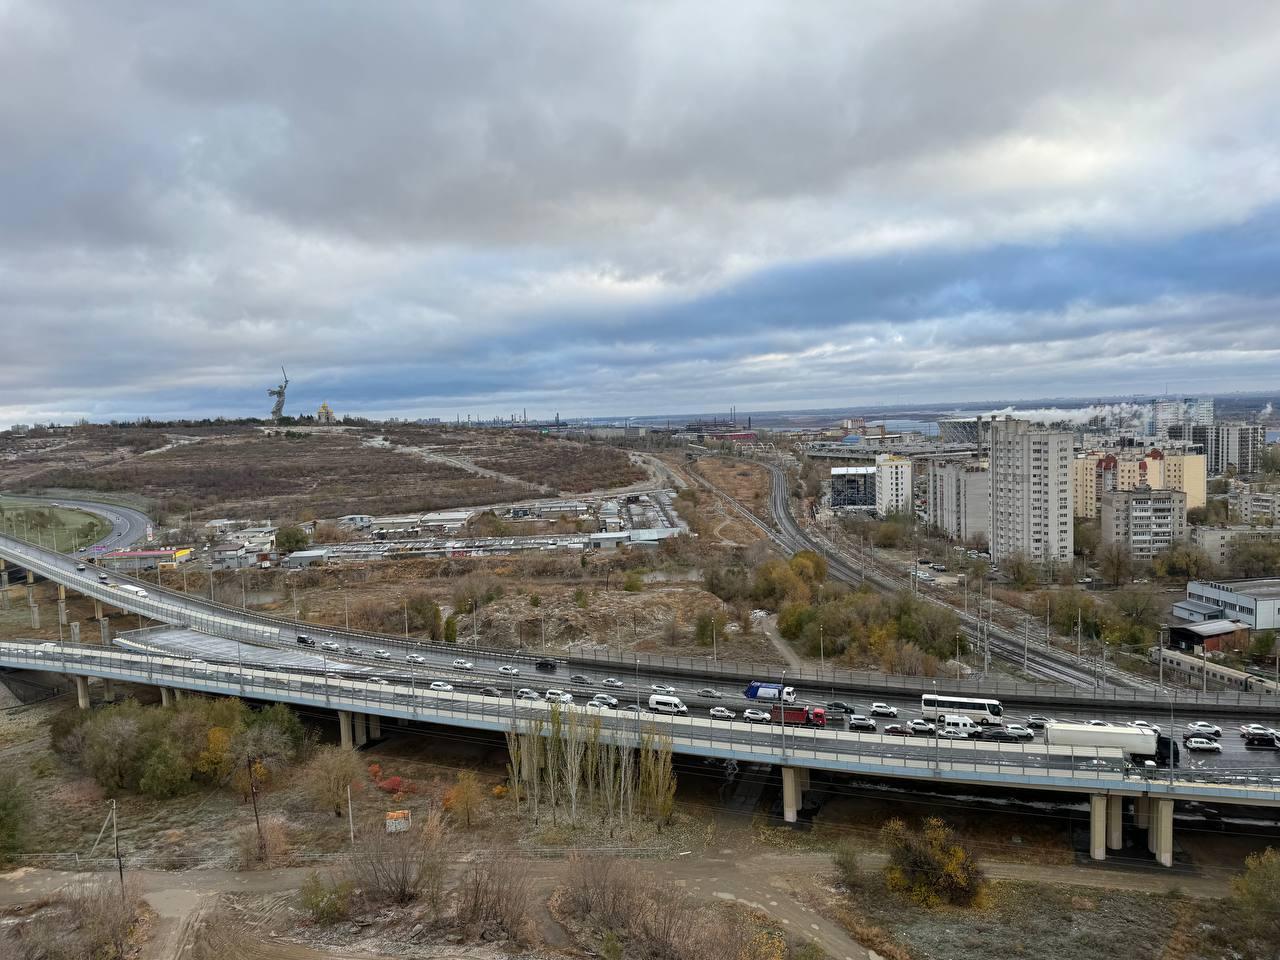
(426, 208)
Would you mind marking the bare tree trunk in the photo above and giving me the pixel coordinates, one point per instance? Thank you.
(571, 763)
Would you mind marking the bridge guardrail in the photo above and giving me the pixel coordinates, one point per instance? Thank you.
(250, 626)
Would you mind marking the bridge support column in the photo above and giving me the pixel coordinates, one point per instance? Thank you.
(104, 625)
(344, 729)
(62, 592)
(790, 793)
(31, 579)
(1115, 822)
(97, 609)
(109, 691)
(75, 631)
(165, 699)
(82, 692)
(1097, 827)
(179, 694)
(4, 589)
(1142, 812)
(361, 732)
(375, 727)
(35, 617)
(62, 612)
(1162, 829)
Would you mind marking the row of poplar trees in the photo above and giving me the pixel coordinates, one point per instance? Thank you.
(564, 768)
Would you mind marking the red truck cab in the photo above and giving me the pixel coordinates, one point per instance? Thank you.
(803, 716)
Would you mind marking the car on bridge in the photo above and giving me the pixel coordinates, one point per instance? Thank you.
(329, 645)
(509, 670)
(559, 696)
(1203, 728)
(546, 666)
(442, 686)
(1038, 722)
(1021, 732)
(606, 699)
(489, 692)
(415, 658)
(721, 713)
(839, 706)
(710, 693)
(921, 727)
(1254, 729)
(1144, 725)
(579, 678)
(612, 682)
(462, 664)
(382, 654)
(752, 715)
(996, 734)
(1203, 744)
(305, 641)
(954, 733)
(524, 693)
(883, 710)
(354, 651)
(895, 730)
(81, 567)
(856, 721)
(661, 688)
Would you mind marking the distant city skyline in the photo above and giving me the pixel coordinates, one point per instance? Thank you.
(421, 209)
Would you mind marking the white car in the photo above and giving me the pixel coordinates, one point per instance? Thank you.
(416, 658)
(1099, 723)
(722, 713)
(382, 654)
(1250, 729)
(755, 716)
(329, 645)
(661, 688)
(1204, 728)
(463, 664)
(441, 685)
(559, 696)
(378, 680)
(1204, 743)
(883, 710)
(1018, 730)
(605, 699)
(524, 693)
(509, 670)
(596, 705)
(613, 682)
(953, 734)
(1144, 725)
(81, 567)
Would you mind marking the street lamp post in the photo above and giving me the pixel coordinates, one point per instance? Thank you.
(936, 732)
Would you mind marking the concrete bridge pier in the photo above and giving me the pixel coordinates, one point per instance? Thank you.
(75, 631)
(62, 605)
(4, 589)
(165, 699)
(1097, 826)
(1115, 822)
(109, 691)
(97, 609)
(35, 616)
(104, 625)
(82, 692)
(795, 781)
(344, 729)
(375, 727)
(1162, 831)
(359, 729)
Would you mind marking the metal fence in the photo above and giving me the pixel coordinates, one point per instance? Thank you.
(1041, 766)
(235, 623)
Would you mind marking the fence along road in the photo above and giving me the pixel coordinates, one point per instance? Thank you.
(223, 620)
(1024, 766)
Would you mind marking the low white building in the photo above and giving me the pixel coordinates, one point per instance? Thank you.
(1256, 602)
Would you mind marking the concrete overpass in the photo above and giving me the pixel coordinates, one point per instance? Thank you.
(361, 705)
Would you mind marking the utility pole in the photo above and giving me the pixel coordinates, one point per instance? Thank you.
(253, 793)
(1026, 636)
(115, 837)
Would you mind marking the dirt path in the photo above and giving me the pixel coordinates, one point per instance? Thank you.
(182, 899)
(770, 627)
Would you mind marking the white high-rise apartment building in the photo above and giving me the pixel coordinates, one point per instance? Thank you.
(959, 498)
(893, 484)
(1031, 472)
(1189, 411)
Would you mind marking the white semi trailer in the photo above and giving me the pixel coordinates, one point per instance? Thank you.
(1138, 744)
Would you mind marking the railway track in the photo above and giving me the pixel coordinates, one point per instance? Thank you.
(1052, 665)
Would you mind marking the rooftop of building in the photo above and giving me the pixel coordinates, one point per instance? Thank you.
(851, 471)
(1212, 628)
(1258, 588)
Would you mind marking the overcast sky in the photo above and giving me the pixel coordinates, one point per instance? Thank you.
(425, 208)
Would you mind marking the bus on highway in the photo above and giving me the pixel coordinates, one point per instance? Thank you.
(933, 706)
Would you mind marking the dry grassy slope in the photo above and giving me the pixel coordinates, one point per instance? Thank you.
(250, 473)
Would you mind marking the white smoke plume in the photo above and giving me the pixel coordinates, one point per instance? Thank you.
(1266, 411)
(1122, 414)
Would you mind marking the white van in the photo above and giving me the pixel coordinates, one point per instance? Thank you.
(959, 723)
(664, 703)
